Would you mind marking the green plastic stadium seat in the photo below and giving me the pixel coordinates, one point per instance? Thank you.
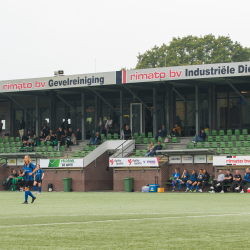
(248, 137)
(17, 139)
(225, 138)
(199, 144)
(52, 154)
(1, 145)
(136, 135)
(83, 154)
(7, 145)
(219, 150)
(246, 143)
(191, 145)
(222, 144)
(6, 139)
(1, 139)
(241, 138)
(42, 143)
(8, 150)
(137, 152)
(47, 143)
(76, 154)
(58, 154)
(50, 149)
(45, 154)
(227, 151)
(152, 140)
(145, 140)
(174, 139)
(109, 137)
(207, 144)
(18, 144)
(160, 139)
(235, 151)
(164, 146)
(138, 140)
(2, 150)
(221, 132)
(143, 135)
(217, 138)
(43, 149)
(230, 144)
(86, 147)
(242, 150)
(150, 135)
(144, 151)
(13, 150)
(11, 139)
(237, 132)
(229, 132)
(238, 144)
(233, 138)
(210, 138)
(12, 144)
(116, 136)
(88, 152)
(214, 132)
(214, 144)
(244, 131)
(62, 148)
(102, 136)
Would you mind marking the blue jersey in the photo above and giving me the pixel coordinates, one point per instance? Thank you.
(176, 175)
(186, 177)
(193, 177)
(200, 177)
(38, 174)
(29, 168)
(247, 177)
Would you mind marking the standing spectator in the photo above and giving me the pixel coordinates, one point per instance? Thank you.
(78, 134)
(1, 128)
(59, 138)
(176, 131)
(109, 124)
(200, 138)
(158, 147)
(205, 179)
(193, 179)
(96, 140)
(127, 133)
(161, 133)
(243, 182)
(176, 176)
(236, 180)
(72, 141)
(227, 179)
(220, 178)
(21, 126)
(150, 148)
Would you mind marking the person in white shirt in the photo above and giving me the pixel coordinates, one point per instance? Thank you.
(220, 178)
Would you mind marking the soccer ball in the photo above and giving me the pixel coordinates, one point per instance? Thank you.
(50, 189)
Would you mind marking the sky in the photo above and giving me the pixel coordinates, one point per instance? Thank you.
(79, 36)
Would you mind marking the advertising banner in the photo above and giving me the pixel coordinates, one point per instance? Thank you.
(134, 162)
(175, 159)
(200, 159)
(11, 162)
(20, 161)
(231, 160)
(187, 159)
(61, 163)
(210, 158)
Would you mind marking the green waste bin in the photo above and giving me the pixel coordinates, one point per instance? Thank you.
(67, 184)
(128, 184)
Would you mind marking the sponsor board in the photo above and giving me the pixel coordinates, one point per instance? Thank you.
(20, 161)
(134, 162)
(61, 163)
(187, 159)
(175, 159)
(231, 160)
(11, 162)
(200, 159)
(210, 158)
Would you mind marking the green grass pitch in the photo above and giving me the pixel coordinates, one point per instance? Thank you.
(103, 220)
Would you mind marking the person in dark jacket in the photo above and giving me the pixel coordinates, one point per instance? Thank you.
(13, 175)
(162, 133)
(205, 179)
(21, 126)
(227, 179)
(193, 179)
(158, 147)
(236, 180)
(200, 138)
(78, 134)
(243, 182)
(96, 140)
(127, 133)
(59, 138)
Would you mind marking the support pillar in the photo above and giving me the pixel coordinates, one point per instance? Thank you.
(154, 112)
(210, 110)
(10, 117)
(167, 108)
(96, 111)
(37, 115)
(197, 110)
(121, 110)
(83, 106)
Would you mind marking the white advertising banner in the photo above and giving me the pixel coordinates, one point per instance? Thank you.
(61, 163)
(231, 160)
(11, 162)
(187, 159)
(200, 159)
(134, 162)
(210, 158)
(175, 159)
(20, 161)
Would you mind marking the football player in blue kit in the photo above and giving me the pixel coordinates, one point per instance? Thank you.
(193, 179)
(176, 176)
(184, 179)
(39, 174)
(28, 170)
(197, 182)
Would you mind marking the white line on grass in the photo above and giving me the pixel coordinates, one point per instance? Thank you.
(89, 222)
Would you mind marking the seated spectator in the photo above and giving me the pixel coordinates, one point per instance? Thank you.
(220, 178)
(150, 148)
(78, 134)
(108, 125)
(72, 141)
(176, 176)
(161, 133)
(96, 140)
(200, 138)
(127, 133)
(158, 147)
(45, 129)
(205, 179)
(243, 182)
(30, 142)
(176, 131)
(197, 182)
(236, 180)
(41, 136)
(70, 131)
(20, 180)
(26, 137)
(227, 179)
(9, 182)
(184, 179)
(193, 179)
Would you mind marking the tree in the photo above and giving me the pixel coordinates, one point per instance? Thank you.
(193, 50)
